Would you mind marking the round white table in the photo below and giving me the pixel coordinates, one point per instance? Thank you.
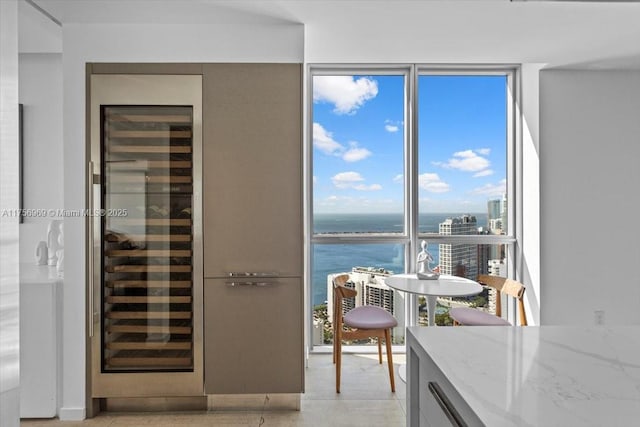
(444, 286)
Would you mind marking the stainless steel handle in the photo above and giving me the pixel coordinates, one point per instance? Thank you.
(90, 238)
(445, 404)
(253, 274)
(261, 284)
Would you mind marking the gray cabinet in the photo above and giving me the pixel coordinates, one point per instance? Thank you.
(252, 223)
(252, 169)
(254, 336)
(432, 401)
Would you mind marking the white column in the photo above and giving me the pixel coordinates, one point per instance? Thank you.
(9, 238)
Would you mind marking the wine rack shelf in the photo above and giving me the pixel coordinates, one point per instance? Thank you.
(149, 300)
(158, 149)
(132, 328)
(150, 134)
(147, 291)
(149, 164)
(148, 315)
(149, 253)
(161, 222)
(149, 284)
(149, 238)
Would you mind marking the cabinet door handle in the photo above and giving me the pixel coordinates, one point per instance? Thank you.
(446, 406)
(260, 284)
(253, 274)
(90, 247)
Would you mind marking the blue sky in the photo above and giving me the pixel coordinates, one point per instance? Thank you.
(358, 133)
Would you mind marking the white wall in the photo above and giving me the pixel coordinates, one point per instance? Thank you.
(41, 96)
(589, 176)
(9, 258)
(133, 43)
(529, 233)
(37, 33)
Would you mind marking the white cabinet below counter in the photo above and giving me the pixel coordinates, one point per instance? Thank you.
(40, 289)
(523, 376)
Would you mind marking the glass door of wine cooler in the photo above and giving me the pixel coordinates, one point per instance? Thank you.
(147, 235)
(146, 288)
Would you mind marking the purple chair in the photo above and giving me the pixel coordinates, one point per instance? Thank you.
(473, 317)
(361, 322)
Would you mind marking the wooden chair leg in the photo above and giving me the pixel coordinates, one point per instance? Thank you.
(338, 357)
(334, 346)
(387, 340)
(379, 350)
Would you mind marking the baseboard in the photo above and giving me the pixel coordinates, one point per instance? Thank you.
(72, 414)
(154, 404)
(254, 402)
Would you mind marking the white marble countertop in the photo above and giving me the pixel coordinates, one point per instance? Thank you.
(541, 376)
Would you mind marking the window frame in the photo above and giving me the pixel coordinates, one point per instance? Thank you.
(411, 237)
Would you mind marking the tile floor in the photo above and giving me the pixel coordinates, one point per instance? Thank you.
(365, 400)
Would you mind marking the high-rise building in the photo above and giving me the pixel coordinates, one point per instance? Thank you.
(503, 214)
(495, 225)
(459, 259)
(484, 252)
(497, 267)
(494, 212)
(496, 219)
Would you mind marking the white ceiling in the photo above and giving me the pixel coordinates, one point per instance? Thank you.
(595, 35)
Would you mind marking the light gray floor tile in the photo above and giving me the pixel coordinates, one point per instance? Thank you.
(365, 400)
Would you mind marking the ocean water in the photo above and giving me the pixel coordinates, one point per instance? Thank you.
(336, 258)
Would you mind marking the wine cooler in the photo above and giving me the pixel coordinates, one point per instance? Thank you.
(146, 279)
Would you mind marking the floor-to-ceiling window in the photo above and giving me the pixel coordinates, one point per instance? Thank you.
(359, 139)
(405, 154)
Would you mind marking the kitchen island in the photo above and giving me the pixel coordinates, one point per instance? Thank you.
(523, 376)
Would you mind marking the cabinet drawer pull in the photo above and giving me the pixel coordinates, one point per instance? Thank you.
(445, 404)
(253, 274)
(261, 284)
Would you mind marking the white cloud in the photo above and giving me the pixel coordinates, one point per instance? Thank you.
(353, 180)
(491, 189)
(432, 183)
(372, 187)
(484, 151)
(346, 179)
(399, 179)
(355, 153)
(344, 92)
(467, 161)
(482, 173)
(392, 126)
(323, 140)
